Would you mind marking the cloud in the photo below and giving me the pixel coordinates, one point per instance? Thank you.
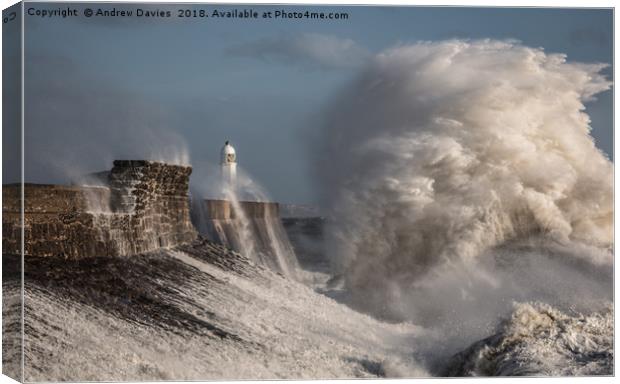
(309, 50)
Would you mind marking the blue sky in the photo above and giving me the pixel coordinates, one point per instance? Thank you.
(101, 88)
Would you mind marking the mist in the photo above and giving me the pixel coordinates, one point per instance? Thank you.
(76, 124)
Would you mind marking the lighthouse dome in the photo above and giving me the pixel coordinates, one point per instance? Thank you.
(228, 154)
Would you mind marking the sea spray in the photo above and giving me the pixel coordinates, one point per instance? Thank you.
(241, 223)
(252, 227)
(137, 206)
(460, 176)
(273, 246)
(279, 243)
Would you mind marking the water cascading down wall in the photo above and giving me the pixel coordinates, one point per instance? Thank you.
(252, 228)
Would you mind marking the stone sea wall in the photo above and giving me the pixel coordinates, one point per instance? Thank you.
(142, 206)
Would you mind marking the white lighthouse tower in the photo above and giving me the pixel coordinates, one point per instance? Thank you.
(228, 162)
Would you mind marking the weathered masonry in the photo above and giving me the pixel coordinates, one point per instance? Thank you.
(139, 206)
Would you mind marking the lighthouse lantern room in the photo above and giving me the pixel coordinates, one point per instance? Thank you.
(228, 162)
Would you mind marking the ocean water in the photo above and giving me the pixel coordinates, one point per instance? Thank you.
(196, 312)
(204, 312)
(539, 340)
(468, 232)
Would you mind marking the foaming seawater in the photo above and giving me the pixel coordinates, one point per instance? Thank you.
(199, 312)
(459, 304)
(538, 340)
(454, 149)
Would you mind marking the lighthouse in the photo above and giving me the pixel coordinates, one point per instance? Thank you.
(228, 163)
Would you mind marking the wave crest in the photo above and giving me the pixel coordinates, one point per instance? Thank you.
(538, 339)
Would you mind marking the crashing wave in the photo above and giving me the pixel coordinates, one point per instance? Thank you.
(541, 340)
(454, 148)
